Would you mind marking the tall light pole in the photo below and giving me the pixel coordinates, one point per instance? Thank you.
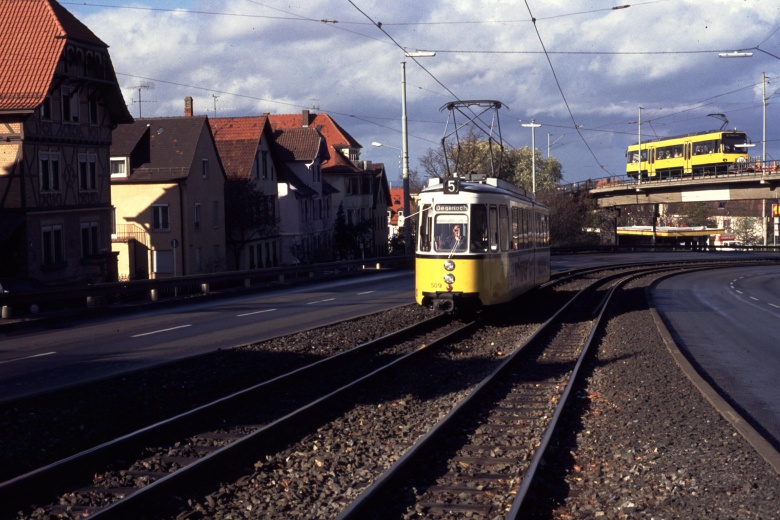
(533, 126)
(743, 54)
(405, 149)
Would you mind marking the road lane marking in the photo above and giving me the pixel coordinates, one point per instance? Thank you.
(253, 313)
(365, 292)
(754, 298)
(739, 292)
(161, 330)
(321, 301)
(27, 357)
(775, 306)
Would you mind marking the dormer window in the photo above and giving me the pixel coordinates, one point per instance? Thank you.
(118, 167)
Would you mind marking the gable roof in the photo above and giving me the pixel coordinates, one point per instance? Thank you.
(237, 140)
(297, 144)
(33, 35)
(172, 143)
(335, 137)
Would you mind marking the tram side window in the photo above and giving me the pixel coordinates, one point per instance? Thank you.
(493, 228)
(479, 228)
(545, 230)
(633, 156)
(425, 228)
(524, 242)
(503, 220)
(705, 147)
(515, 229)
(669, 152)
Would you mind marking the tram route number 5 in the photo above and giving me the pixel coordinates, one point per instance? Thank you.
(451, 186)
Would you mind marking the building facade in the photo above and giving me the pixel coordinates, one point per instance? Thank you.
(245, 145)
(167, 184)
(59, 100)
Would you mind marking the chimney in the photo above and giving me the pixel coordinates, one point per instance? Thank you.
(306, 119)
(188, 106)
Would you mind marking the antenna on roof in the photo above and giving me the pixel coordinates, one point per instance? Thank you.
(215, 104)
(143, 86)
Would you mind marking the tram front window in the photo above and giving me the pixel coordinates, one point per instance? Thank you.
(451, 232)
(479, 228)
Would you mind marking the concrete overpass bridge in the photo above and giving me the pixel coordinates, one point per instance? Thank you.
(624, 191)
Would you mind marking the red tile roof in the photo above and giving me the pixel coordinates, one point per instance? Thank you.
(335, 137)
(297, 144)
(237, 140)
(33, 34)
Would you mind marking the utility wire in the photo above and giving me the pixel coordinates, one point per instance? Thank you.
(563, 96)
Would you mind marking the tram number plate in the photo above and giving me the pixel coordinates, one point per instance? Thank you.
(451, 186)
(437, 286)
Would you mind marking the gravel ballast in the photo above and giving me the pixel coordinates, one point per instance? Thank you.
(645, 443)
(641, 441)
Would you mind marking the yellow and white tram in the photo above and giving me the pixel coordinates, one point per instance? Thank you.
(479, 243)
(703, 153)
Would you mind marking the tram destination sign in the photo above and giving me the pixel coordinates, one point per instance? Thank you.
(451, 207)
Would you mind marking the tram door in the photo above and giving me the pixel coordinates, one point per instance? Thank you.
(687, 154)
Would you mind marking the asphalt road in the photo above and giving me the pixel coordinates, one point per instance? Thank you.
(728, 320)
(37, 360)
(725, 318)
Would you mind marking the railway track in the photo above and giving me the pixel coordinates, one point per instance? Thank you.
(149, 463)
(481, 458)
(536, 379)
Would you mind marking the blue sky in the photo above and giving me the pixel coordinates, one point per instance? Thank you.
(581, 70)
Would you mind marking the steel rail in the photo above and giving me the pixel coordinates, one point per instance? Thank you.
(58, 477)
(377, 491)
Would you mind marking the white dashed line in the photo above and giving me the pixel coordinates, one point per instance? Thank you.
(27, 357)
(321, 301)
(253, 313)
(365, 292)
(159, 331)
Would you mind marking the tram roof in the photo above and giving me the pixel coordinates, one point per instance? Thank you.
(692, 134)
(481, 183)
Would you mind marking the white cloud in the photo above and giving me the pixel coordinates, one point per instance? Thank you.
(279, 56)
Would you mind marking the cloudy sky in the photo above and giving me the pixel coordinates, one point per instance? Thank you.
(582, 70)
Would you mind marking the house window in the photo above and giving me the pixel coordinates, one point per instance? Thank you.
(89, 239)
(70, 105)
(215, 216)
(93, 108)
(87, 172)
(51, 237)
(197, 217)
(265, 164)
(119, 167)
(353, 188)
(160, 220)
(49, 167)
(204, 165)
(46, 109)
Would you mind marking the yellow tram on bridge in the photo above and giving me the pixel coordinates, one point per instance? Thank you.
(704, 153)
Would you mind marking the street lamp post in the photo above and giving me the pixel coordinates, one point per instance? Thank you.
(405, 149)
(743, 54)
(533, 126)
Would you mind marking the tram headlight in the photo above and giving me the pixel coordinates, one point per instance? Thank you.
(449, 278)
(449, 265)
